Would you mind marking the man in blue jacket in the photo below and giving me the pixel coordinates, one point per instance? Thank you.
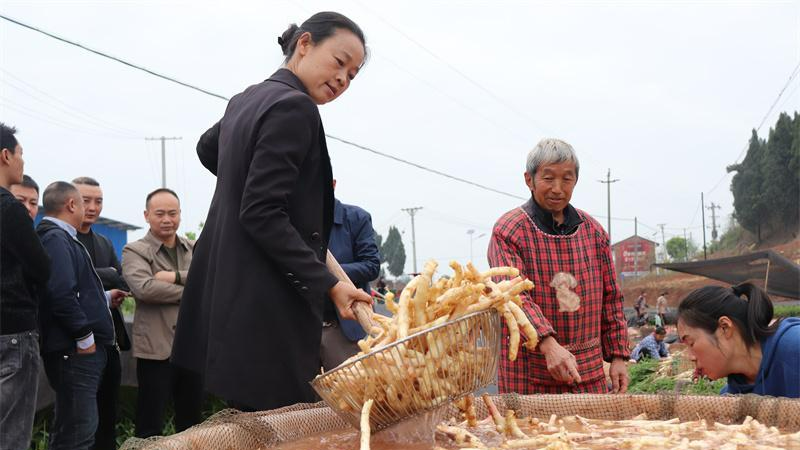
(352, 243)
(76, 322)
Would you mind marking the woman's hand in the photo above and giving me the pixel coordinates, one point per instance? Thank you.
(344, 295)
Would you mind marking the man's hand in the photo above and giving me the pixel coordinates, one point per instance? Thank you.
(117, 296)
(560, 362)
(344, 295)
(619, 376)
(166, 276)
(86, 351)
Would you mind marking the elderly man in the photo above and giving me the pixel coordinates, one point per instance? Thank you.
(543, 238)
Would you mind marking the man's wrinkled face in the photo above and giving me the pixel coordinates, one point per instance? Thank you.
(552, 185)
(92, 197)
(29, 198)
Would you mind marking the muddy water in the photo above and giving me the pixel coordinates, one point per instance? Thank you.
(601, 433)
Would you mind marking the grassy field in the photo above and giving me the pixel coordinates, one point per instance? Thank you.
(645, 379)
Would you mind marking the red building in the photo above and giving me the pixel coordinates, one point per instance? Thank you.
(634, 256)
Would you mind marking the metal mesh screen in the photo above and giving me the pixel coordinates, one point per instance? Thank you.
(416, 374)
(232, 430)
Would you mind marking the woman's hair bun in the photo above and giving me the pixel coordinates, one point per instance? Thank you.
(285, 40)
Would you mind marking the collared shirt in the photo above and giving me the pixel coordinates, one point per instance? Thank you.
(649, 346)
(63, 225)
(545, 221)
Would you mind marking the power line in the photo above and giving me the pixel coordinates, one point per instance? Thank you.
(65, 107)
(792, 76)
(453, 68)
(105, 55)
(204, 91)
(427, 169)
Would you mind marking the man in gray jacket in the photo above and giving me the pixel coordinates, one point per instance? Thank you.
(155, 268)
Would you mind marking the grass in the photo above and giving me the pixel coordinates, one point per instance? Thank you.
(787, 311)
(126, 425)
(644, 379)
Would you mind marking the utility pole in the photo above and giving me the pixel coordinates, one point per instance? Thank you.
(686, 246)
(412, 212)
(636, 247)
(472, 239)
(608, 182)
(703, 211)
(663, 243)
(163, 155)
(714, 221)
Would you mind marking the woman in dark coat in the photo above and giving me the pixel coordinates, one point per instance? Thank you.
(250, 319)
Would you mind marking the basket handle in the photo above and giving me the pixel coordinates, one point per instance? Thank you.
(361, 310)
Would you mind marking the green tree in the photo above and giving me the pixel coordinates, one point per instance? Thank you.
(677, 248)
(766, 187)
(781, 185)
(393, 252)
(749, 204)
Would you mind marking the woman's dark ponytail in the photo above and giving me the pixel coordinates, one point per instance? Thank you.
(321, 26)
(288, 40)
(759, 311)
(752, 314)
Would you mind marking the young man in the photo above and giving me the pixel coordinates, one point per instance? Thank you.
(24, 271)
(542, 238)
(76, 321)
(652, 346)
(105, 262)
(156, 268)
(27, 193)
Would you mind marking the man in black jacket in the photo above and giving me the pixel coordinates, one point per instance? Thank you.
(106, 264)
(76, 322)
(24, 268)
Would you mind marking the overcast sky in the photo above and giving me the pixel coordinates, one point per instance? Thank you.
(662, 93)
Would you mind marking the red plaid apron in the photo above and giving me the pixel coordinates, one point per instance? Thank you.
(596, 331)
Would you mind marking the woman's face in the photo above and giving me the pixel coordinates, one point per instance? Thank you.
(327, 68)
(706, 350)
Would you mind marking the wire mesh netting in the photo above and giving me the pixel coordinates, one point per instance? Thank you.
(233, 430)
(416, 374)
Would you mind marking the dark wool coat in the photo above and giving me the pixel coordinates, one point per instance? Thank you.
(250, 319)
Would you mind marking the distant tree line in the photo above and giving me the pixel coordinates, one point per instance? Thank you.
(766, 187)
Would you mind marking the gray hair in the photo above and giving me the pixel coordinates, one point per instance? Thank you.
(56, 196)
(551, 151)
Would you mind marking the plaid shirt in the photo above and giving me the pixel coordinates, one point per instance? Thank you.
(595, 332)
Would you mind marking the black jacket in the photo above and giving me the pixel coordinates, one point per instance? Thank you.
(24, 267)
(74, 303)
(108, 268)
(251, 314)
